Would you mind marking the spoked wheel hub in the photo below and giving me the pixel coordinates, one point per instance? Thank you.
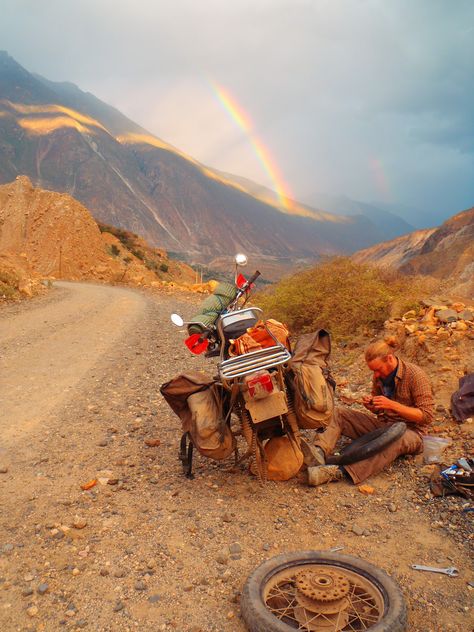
(324, 598)
(324, 592)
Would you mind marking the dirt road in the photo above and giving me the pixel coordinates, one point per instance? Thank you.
(48, 348)
(80, 371)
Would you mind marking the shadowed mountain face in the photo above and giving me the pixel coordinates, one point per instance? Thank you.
(69, 141)
(446, 252)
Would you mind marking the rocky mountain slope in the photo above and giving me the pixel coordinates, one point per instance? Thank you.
(446, 252)
(55, 236)
(69, 141)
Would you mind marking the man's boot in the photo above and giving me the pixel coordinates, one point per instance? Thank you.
(313, 455)
(324, 474)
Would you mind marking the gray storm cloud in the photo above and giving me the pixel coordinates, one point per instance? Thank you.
(372, 99)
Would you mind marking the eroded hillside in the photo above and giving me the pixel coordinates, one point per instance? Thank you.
(50, 234)
(446, 252)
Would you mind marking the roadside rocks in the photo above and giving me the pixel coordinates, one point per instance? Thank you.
(79, 523)
(435, 319)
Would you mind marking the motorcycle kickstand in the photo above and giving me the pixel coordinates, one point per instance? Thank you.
(186, 455)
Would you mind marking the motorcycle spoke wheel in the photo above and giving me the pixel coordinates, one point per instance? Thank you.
(322, 591)
(324, 598)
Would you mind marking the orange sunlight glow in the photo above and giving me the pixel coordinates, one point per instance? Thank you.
(160, 144)
(83, 121)
(46, 125)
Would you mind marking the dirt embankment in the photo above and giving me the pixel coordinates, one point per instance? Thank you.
(144, 548)
(48, 234)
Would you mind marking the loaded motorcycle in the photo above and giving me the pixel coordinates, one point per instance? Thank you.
(270, 389)
(250, 385)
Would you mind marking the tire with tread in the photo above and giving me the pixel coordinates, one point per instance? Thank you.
(258, 617)
(369, 444)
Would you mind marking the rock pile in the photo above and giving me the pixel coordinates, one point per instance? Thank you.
(439, 336)
(443, 319)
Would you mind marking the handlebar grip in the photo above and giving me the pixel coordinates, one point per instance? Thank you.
(253, 278)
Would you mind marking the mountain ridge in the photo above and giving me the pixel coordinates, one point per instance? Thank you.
(129, 178)
(445, 252)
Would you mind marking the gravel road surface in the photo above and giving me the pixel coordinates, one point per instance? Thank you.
(144, 548)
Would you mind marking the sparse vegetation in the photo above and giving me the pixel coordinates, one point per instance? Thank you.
(155, 259)
(339, 295)
(8, 285)
(126, 237)
(139, 254)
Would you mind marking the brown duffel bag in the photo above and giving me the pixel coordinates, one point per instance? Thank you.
(312, 381)
(197, 400)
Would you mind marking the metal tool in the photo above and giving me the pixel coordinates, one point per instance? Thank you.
(451, 570)
(464, 464)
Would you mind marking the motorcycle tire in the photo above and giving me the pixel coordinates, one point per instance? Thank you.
(368, 444)
(372, 600)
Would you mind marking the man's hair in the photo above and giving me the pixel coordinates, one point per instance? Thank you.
(381, 348)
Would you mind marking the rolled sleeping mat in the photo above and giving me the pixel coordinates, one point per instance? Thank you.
(210, 309)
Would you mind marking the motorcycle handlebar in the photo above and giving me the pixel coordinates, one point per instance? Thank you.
(253, 278)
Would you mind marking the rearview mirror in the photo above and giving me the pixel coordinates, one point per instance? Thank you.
(177, 320)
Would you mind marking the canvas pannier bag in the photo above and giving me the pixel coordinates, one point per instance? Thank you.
(284, 458)
(312, 381)
(197, 400)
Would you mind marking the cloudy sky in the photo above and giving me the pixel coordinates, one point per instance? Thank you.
(373, 99)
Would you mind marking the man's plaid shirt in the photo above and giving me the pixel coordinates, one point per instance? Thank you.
(412, 388)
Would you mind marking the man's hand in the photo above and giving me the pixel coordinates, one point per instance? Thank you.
(384, 403)
(408, 413)
(368, 402)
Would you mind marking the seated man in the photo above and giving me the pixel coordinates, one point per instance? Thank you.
(400, 392)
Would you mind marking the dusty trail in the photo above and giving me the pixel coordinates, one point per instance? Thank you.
(152, 551)
(47, 349)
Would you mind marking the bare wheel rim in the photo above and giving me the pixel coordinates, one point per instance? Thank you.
(322, 597)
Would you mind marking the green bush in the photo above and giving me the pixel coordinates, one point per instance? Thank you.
(125, 236)
(164, 267)
(151, 265)
(339, 295)
(114, 251)
(138, 254)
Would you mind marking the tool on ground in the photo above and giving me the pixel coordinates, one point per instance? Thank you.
(335, 549)
(451, 570)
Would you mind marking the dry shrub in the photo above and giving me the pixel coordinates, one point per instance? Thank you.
(8, 284)
(408, 291)
(341, 296)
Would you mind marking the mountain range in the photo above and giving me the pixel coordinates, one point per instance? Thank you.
(69, 141)
(445, 252)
